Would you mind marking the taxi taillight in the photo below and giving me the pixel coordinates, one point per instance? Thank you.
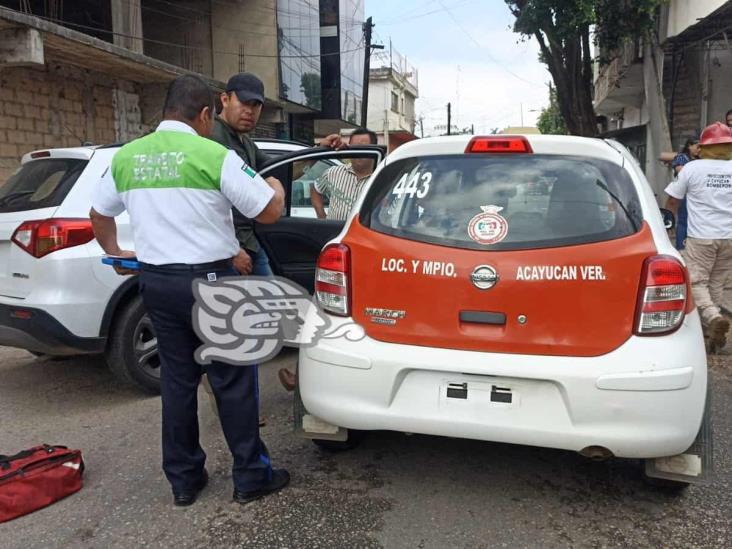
(662, 298)
(332, 279)
(499, 144)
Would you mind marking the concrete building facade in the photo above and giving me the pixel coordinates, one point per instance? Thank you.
(653, 96)
(96, 71)
(393, 90)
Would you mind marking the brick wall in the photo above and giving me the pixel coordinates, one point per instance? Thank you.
(265, 130)
(62, 106)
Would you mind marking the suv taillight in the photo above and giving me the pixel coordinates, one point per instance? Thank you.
(662, 297)
(332, 279)
(42, 237)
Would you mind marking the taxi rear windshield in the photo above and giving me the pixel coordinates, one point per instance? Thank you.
(503, 202)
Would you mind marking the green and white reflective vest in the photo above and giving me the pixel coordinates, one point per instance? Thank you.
(179, 188)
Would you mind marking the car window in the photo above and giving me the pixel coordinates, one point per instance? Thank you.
(503, 202)
(307, 173)
(40, 184)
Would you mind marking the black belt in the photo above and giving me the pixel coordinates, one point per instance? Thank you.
(186, 267)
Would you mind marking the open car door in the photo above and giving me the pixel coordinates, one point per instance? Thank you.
(294, 242)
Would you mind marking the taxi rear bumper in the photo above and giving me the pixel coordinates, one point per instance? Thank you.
(643, 400)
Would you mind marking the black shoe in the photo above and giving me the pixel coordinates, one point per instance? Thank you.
(280, 479)
(189, 498)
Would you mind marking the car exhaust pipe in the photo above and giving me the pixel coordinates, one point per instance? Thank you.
(596, 453)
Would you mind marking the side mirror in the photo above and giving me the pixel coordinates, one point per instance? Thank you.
(669, 221)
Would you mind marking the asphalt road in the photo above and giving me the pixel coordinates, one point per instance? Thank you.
(392, 491)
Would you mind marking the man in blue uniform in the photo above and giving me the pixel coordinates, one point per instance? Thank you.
(178, 188)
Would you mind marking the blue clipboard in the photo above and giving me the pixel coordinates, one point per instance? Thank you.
(122, 262)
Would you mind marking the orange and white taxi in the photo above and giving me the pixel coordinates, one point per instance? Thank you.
(518, 289)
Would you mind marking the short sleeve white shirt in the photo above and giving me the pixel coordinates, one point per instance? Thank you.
(707, 187)
(186, 225)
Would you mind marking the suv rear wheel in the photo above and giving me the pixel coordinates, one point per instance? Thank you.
(132, 351)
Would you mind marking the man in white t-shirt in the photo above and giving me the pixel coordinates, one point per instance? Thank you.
(707, 186)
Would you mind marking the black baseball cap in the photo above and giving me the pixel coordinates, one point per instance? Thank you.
(246, 86)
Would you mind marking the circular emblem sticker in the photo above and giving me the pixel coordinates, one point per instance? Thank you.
(488, 227)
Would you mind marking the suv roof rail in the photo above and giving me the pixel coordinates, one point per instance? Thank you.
(113, 145)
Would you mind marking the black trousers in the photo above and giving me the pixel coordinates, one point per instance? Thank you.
(168, 298)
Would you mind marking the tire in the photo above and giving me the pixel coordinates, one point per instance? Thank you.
(353, 440)
(132, 351)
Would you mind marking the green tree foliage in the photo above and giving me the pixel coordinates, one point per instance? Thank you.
(550, 121)
(563, 30)
(310, 86)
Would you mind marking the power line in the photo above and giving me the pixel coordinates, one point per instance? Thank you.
(164, 43)
(220, 27)
(148, 8)
(488, 55)
(425, 14)
(228, 5)
(260, 8)
(412, 10)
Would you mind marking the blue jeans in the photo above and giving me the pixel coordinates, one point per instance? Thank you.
(260, 263)
(681, 222)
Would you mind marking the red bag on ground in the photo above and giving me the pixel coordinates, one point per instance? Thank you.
(35, 478)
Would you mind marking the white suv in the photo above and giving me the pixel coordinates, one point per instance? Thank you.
(56, 297)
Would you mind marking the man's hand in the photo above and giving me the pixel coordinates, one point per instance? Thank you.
(243, 263)
(333, 141)
(122, 270)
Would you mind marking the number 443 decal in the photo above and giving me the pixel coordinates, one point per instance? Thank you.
(417, 185)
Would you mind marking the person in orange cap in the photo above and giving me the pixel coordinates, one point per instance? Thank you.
(707, 186)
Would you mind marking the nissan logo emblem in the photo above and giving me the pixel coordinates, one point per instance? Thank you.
(484, 277)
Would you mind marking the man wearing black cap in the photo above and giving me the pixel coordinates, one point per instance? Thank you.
(242, 104)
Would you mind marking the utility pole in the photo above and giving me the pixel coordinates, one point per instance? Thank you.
(421, 125)
(521, 106)
(449, 118)
(472, 129)
(367, 27)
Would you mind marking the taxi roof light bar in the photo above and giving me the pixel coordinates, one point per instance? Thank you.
(499, 144)
(662, 298)
(332, 279)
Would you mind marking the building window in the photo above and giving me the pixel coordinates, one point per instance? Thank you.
(298, 36)
(350, 18)
(394, 102)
